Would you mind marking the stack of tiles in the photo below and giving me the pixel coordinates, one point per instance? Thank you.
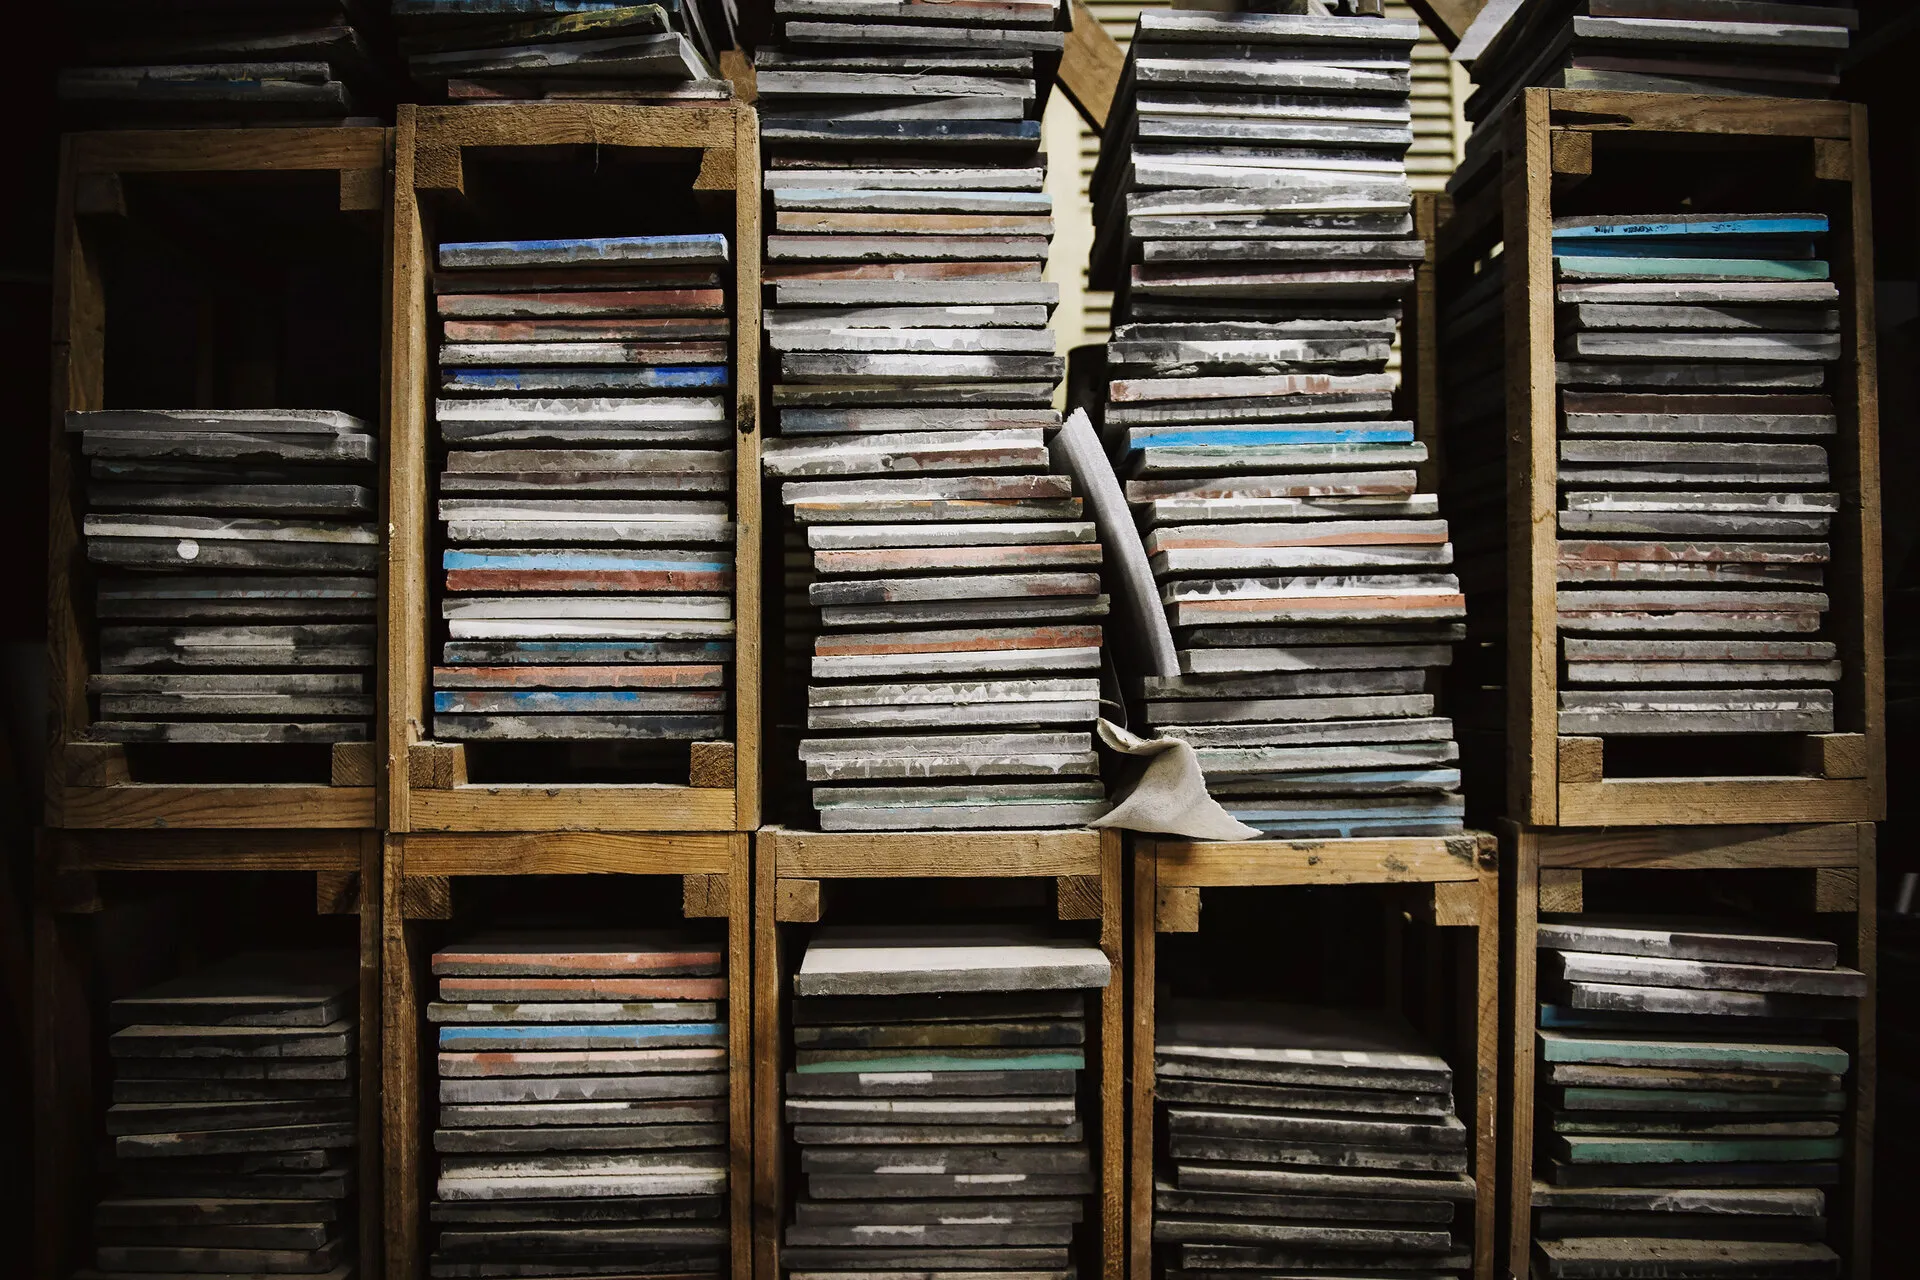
(1307, 1142)
(1694, 485)
(1711, 47)
(943, 588)
(237, 556)
(934, 1097)
(1690, 1103)
(563, 50)
(589, 467)
(233, 1122)
(1255, 217)
(208, 62)
(583, 1107)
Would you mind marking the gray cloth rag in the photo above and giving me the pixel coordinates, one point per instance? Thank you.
(1170, 797)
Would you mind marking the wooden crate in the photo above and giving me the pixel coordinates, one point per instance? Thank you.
(1547, 869)
(795, 870)
(428, 787)
(93, 784)
(1559, 151)
(424, 875)
(1444, 881)
(77, 875)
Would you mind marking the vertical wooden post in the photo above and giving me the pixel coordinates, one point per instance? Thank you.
(1112, 1083)
(748, 641)
(370, 1062)
(767, 1154)
(1859, 1170)
(740, 1056)
(400, 1074)
(1140, 1154)
(1532, 624)
(1484, 944)
(1522, 847)
(405, 582)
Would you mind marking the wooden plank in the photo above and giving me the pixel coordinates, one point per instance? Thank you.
(1517, 1097)
(188, 849)
(768, 1165)
(403, 676)
(568, 852)
(796, 901)
(1176, 909)
(255, 806)
(748, 615)
(1090, 67)
(1858, 1171)
(1604, 112)
(1112, 1084)
(1146, 929)
(228, 150)
(742, 999)
(905, 854)
(1484, 1121)
(1685, 801)
(1562, 889)
(1858, 616)
(403, 957)
(1420, 345)
(1076, 897)
(1388, 860)
(711, 764)
(1532, 659)
(354, 764)
(1582, 759)
(1679, 848)
(1836, 755)
(371, 1155)
(1447, 19)
(536, 807)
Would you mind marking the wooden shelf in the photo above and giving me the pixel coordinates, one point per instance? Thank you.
(1542, 157)
(791, 869)
(427, 786)
(1547, 868)
(79, 876)
(421, 888)
(90, 784)
(1446, 881)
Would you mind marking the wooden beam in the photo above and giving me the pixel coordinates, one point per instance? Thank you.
(1090, 67)
(1447, 19)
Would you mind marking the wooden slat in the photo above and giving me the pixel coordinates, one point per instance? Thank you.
(1604, 112)
(208, 850)
(228, 150)
(403, 958)
(1692, 801)
(1280, 862)
(1146, 938)
(1112, 1079)
(1858, 1171)
(1090, 67)
(1677, 848)
(1532, 625)
(568, 853)
(768, 1166)
(371, 1156)
(741, 991)
(572, 807)
(747, 613)
(1517, 1095)
(254, 806)
(1486, 1074)
(889, 855)
(1448, 19)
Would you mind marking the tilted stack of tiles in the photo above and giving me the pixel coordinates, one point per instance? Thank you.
(1695, 493)
(942, 588)
(1655, 46)
(590, 542)
(225, 62)
(1690, 1099)
(583, 1106)
(233, 1122)
(555, 50)
(934, 1097)
(237, 554)
(1254, 218)
(1307, 1142)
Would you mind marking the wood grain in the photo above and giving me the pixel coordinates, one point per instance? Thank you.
(1113, 1063)
(1274, 862)
(768, 1198)
(1141, 979)
(1604, 112)
(1681, 848)
(737, 885)
(228, 150)
(933, 854)
(1090, 67)
(572, 807)
(559, 852)
(1695, 801)
(256, 806)
(214, 849)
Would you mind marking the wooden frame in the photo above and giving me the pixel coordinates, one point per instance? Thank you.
(427, 781)
(1450, 881)
(1546, 869)
(789, 870)
(88, 783)
(1543, 146)
(422, 871)
(72, 870)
